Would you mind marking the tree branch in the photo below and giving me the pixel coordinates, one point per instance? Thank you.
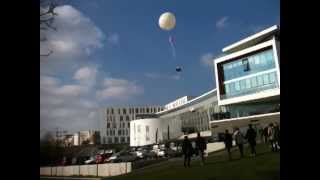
(50, 52)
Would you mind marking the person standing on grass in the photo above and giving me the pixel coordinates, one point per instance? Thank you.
(201, 145)
(228, 142)
(265, 134)
(251, 137)
(272, 137)
(239, 140)
(277, 135)
(187, 151)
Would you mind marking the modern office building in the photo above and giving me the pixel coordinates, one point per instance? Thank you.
(247, 78)
(115, 122)
(191, 116)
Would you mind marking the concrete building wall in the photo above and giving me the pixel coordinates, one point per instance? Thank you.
(115, 122)
(45, 171)
(148, 131)
(103, 170)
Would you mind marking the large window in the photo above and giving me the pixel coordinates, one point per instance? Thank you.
(122, 140)
(249, 65)
(249, 74)
(251, 84)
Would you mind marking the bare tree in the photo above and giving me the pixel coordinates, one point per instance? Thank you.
(47, 16)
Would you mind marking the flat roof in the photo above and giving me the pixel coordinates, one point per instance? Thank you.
(251, 40)
(188, 102)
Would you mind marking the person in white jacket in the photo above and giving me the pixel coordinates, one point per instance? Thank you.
(239, 138)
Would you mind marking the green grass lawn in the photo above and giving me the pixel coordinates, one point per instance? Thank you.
(265, 166)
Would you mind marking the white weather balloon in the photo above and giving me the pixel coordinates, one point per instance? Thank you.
(167, 21)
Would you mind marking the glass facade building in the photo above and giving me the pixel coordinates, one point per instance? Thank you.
(249, 74)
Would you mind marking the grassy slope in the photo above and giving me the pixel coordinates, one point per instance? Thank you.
(265, 166)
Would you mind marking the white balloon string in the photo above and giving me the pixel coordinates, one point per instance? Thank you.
(172, 47)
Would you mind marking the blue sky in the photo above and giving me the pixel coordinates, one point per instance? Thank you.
(128, 47)
(143, 47)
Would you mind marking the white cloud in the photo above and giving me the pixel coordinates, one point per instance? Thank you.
(67, 105)
(119, 89)
(222, 22)
(47, 81)
(85, 74)
(69, 81)
(70, 90)
(176, 77)
(73, 105)
(207, 59)
(152, 75)
(76, 36)
(113, 39)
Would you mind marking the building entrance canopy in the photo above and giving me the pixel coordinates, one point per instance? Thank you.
(222, 125)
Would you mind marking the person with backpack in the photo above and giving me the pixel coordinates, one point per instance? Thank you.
(187, 151)
(228, 142)
(251, 137)
(239, 138)
(201, 145)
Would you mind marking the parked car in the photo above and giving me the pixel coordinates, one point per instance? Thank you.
(173, 153)
(123, 156)
(100, 158)
(91, 160)
(81, 160)
(149, 154)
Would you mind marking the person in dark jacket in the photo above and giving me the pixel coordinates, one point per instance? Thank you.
(251, 137)
(277, 135)
(187, 151)
(201, 145)
(228, 142)
(265, 134)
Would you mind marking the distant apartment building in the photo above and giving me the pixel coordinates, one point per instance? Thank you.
(82, 138)
(115, 122)
(89, 137)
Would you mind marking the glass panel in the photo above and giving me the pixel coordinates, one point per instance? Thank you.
(260, 80)
(242, 84)
(227, 89)
(266, 79)
(254, 81)
(248, 84)
(237, 86)
(272, 77)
